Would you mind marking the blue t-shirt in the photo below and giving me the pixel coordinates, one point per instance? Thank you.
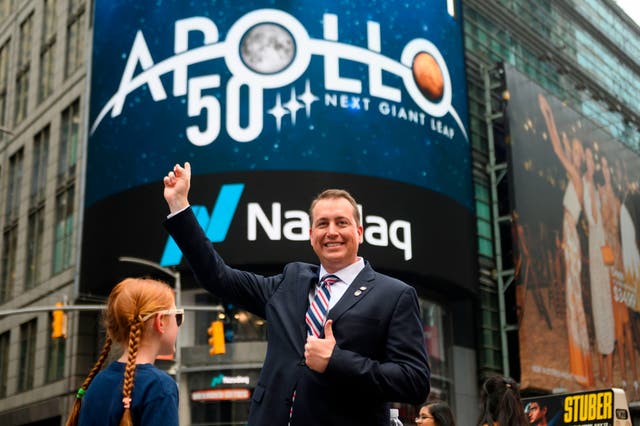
(154, 400)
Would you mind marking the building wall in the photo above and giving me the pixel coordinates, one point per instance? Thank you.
(44, 399)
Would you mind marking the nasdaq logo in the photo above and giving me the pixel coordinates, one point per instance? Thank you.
(276, 224)
(215, 226)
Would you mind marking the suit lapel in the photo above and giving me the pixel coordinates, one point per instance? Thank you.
(359, 288)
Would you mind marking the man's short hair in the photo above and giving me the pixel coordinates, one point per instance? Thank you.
(329, 194)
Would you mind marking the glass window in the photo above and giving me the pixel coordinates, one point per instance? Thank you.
(10, 248)
(14, 185)
(63, 237)
(10, 233)
(69, 136)
(4, 72)
(4, 362)
(47, 50)
(75, 37)
(27, 355)
(35, 236)
(39, 167)
(239, 325)
(485, 247)
(22, 75)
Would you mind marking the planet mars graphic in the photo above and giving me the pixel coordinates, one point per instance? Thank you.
(267, 48)
(428, 76)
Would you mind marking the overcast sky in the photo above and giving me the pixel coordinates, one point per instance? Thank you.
(632, 7)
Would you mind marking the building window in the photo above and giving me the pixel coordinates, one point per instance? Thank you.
(67, 159)
(39, 169)
(68, 152)
(4, 362)
(63, 238)
(14, 185)
(24, 64)
(28, 333)
(34, 247)
(47, 50)
(35, 230)
(10, 233)
(75, 36)
(4, 79)
(483, 220)
(55, 356)
(10, 245)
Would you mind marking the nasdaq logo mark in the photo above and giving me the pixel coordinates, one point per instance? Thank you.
(215, 226)
(276, 224)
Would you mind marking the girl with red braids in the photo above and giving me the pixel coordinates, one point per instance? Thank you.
(142, 318)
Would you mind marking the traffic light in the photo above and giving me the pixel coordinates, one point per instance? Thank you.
(216, 338)
(59, 323)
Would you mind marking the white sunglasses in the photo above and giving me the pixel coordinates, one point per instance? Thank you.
(179, 313)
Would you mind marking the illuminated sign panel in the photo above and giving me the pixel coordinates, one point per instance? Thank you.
(342, 94)
(221, 395)
(606, 407)
(577, 205)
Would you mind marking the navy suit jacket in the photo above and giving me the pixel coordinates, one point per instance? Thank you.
(379, 355)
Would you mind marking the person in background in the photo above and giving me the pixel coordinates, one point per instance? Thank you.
(341, 336)
(500, 403)
(142, 318)
(435, 413)
(571, 156)
(537, 412)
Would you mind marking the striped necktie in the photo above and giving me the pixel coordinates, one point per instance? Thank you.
(317, 312)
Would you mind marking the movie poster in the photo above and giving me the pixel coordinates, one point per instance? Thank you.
(576, 227)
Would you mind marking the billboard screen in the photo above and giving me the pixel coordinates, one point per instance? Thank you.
(577, 208)
(602, 407)
(273, 101)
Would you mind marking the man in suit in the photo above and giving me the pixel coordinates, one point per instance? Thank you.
(370, 350)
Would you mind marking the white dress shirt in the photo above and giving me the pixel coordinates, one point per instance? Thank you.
(346, 276)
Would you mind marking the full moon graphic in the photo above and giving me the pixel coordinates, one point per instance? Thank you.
(428, 76)
(267, 48)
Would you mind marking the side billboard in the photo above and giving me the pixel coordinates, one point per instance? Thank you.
(601, 407)
(272, 102)
(576, 211)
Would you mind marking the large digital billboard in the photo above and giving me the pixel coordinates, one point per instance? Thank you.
(577, 208)
(271, 102)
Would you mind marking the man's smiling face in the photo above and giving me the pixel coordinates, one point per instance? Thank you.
(335, 234)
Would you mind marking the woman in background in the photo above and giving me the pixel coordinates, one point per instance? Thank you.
(435, 413)
(500, 403)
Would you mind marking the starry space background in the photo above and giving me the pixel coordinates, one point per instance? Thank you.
(142, 143)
